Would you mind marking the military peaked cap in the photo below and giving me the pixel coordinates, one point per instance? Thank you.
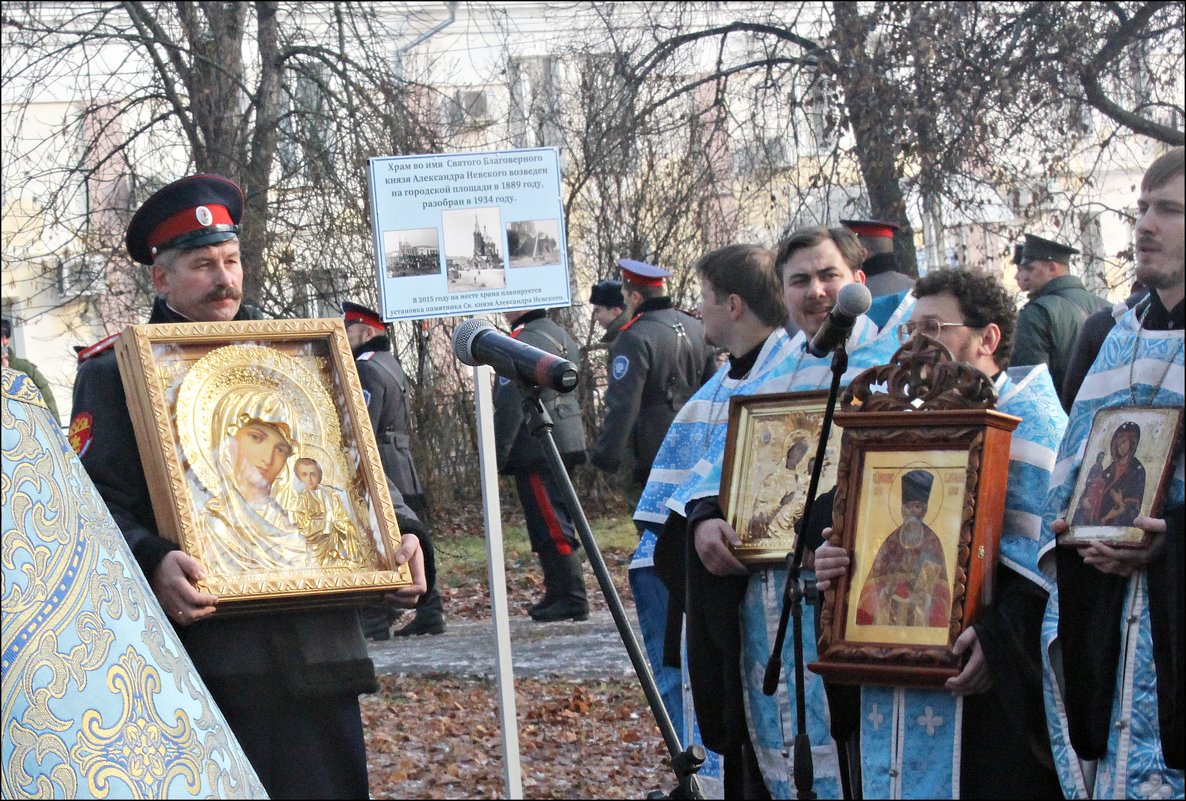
(1038, 249)
(873, 228)
(190, 213)
(355, 312)
(641, 273)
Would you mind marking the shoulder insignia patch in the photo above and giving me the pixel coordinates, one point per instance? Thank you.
(366, 357)
(80, 432)
(97, 348)
(620, 366)
(503, 381)
(366, 397)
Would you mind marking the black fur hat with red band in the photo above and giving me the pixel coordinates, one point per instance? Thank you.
(190, 213)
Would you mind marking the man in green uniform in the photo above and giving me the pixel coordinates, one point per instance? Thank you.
(28, 368)
(1059, 303)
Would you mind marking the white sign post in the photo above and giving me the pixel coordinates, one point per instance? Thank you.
(492, 513)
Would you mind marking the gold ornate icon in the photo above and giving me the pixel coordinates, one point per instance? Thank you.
(261, 460)
(770, 452)
(258, 372)
(247, 416)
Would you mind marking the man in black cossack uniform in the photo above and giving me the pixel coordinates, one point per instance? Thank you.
(385, 389)
(520, 454)
(287, 681)
(657, 362)
(883, 275)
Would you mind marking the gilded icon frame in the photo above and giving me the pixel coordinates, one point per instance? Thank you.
(762, 501)
(1158, 436)
(311, 521)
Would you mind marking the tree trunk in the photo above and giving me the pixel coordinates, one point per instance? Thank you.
(260, 155)
(867, 93)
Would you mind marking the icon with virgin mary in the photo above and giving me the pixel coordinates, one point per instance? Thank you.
(247, 416)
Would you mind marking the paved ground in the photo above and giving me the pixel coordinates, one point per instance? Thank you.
(587, 650)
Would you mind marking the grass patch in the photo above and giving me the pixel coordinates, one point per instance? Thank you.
(461, 558)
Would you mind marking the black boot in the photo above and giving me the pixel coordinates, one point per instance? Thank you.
(548, 562)
(376, 621)
(429, 618)
(572, 602)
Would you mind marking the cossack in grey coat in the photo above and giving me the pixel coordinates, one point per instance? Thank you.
(385, 387)
(517, 450)
(658, 361)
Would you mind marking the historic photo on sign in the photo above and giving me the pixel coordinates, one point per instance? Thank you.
(411, 252)
(473, 249)
(533, 243)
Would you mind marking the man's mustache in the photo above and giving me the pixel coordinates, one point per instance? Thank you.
(224, 293)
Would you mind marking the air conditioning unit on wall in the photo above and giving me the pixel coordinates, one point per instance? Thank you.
(82, 274)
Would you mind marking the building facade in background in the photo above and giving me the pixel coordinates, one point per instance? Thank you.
(662, 160)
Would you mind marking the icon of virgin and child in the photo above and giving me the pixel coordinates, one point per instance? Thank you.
(907, 584)
(1112, 495)
(269, 507)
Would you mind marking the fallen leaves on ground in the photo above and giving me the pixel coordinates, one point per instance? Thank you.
(439, 737)
(469, 597)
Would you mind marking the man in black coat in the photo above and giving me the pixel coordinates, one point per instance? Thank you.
(609, 311)
(882, 273)
(657, 362)
(545, 510)
(287, 682)
(385, 389)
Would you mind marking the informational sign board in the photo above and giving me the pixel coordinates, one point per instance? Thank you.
(468, 233)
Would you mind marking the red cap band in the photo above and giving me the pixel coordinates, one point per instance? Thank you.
(871, 229)
(356, 316)
(641, 280)
(183, 222)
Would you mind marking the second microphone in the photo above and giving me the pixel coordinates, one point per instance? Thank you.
(477, 342)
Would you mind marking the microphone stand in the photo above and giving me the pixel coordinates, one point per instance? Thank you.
(685, 762)
(792, 600)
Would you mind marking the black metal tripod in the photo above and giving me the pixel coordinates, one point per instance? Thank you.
(685, 762)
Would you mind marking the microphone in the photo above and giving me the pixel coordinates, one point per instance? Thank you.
(852, 301)
(477, 342)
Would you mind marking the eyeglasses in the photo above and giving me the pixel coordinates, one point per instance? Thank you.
(928, 327)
